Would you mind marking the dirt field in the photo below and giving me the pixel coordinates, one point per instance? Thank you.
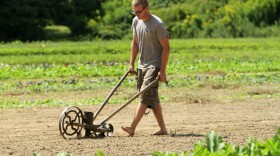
(24, 131)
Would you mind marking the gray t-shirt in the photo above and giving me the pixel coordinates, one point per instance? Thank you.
(148, 35)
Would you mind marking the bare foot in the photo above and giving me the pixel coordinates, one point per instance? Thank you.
(128, 130)
(160, 132)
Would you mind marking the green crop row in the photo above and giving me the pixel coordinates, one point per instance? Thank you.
(24, 90)
(64, 48)
(66, 52)
(223, 67)
(56, 85)
(80, 84)
(123, 46)
(4, 104)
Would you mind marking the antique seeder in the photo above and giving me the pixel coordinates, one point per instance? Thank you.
(73, 120)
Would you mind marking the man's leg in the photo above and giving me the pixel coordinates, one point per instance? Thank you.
(159, 117)
(138, 116)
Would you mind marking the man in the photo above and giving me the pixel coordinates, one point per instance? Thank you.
(150, 40)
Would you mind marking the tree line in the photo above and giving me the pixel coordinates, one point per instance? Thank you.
(111, 19)
(25, 19)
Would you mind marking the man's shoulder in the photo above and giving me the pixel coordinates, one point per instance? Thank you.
(157, 19)
(135, 19)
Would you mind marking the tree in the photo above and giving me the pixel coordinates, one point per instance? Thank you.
(23, 20)
(75, 14)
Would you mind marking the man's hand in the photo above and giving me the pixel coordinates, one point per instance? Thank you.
(131, 70)
(162, 77)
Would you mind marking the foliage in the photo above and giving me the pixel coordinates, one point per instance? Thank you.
(197, 18)
(213, 145)
(23, 20)
(99, 153)
(64, 154)
(111, 19)
(115, 24)
(220, 18)
(75, 14)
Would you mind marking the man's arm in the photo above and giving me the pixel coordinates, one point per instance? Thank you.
(164, 60)
(134, 51)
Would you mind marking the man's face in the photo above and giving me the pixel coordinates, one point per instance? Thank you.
(139, 11)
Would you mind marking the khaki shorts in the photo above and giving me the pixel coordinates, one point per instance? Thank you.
(145, 77)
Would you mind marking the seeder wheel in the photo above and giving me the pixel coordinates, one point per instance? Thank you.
(111, 130)
(108, 130)
(71, 122)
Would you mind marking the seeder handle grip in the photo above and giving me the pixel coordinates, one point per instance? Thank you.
(158, 78)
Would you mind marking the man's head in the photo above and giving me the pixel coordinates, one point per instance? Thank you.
(144, 3)
(140, 8)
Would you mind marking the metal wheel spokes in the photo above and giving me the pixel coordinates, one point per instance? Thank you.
(70, 122)
(110, 129)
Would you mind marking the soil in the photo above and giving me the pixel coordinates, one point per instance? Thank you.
(28, 130)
